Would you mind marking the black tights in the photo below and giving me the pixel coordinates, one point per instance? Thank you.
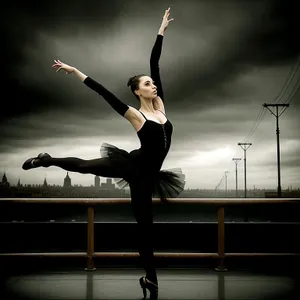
(141, 199)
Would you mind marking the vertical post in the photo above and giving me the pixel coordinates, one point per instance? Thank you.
(278, 155)
(236, 160)
(245, 147)
(221, 240)
(277, 115)
(245, 175)
(90, 236)
(226, 194)
(246, 218)
(236, 181)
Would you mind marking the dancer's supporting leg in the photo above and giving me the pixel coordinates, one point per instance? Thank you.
(141, 200)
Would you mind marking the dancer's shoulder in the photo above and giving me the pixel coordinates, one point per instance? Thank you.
(134, 117)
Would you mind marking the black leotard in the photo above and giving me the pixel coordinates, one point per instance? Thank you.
(155, 141)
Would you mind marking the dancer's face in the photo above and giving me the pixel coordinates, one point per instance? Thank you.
(147, 88)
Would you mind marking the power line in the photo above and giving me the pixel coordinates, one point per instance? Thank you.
(279, 97)
(258, 120)
(220, 182)
(288, 81)
(293, 92)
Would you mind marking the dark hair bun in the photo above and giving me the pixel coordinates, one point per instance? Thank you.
(129, 83)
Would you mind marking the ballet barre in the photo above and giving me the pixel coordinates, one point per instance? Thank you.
(220, 203)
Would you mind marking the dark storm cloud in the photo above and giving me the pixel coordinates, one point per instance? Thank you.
(265, 35)
(240, 35)
(66, 126)
(22, 25)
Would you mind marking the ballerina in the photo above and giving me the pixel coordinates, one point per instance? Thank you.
(140, 169)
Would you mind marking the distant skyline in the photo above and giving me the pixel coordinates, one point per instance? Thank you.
(221, 61)
(104, 179)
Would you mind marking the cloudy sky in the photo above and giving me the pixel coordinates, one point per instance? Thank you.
(221, 61)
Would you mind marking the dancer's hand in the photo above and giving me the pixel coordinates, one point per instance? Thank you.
(61, 66)
(165, 21)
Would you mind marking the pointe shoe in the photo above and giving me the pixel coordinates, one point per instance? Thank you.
(153, 288)
(30, 164)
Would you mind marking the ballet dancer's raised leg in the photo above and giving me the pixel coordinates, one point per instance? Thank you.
(105, 166)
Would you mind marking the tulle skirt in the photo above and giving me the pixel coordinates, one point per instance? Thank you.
(165, 183)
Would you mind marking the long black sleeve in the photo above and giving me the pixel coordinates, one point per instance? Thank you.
(114, 102)
(154, 65)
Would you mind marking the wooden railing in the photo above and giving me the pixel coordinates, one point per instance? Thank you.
(221, 203)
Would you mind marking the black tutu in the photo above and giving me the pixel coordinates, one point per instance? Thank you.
(166, 183)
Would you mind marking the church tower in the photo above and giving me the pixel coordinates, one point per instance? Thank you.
(45, 184)
(4, 182)
(67, 181)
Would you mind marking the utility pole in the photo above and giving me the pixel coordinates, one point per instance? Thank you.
(236, 160)
(245, 147)
(226, 183)
(277, 133)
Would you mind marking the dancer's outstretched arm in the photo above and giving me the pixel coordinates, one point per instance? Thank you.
(154, 60)
(114, 102)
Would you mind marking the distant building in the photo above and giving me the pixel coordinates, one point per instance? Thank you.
(45, 184)
(19, 184)
(108, 185)
(67, 181)
(4, 183)
(97, 182)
